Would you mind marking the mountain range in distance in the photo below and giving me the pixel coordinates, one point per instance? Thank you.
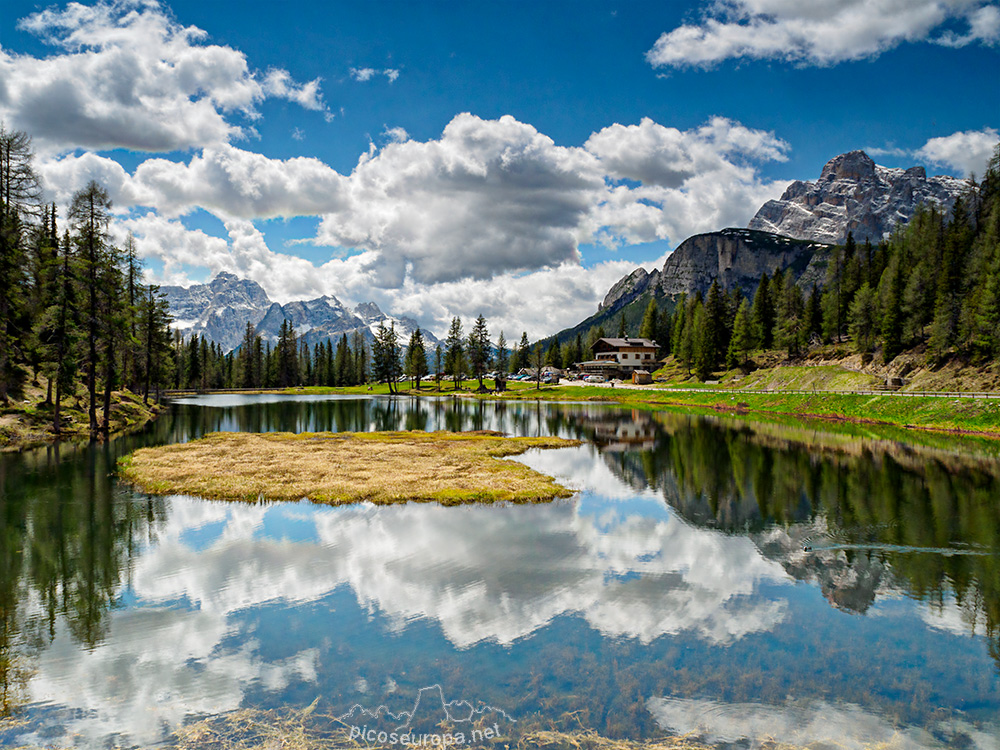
(220, 310)
(852, 195)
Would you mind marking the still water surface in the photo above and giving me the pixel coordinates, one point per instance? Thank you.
(726, 578)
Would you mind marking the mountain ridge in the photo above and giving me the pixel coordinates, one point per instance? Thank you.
(852, 195)
(220, 310)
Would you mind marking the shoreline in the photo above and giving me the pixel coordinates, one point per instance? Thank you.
(28, 425)
(945, 413)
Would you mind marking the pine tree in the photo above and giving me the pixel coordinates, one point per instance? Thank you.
(154, 315)
(863, 319)
(480, 350)
(89, 215)
(891, 324)
(686, 342)
(343, 371)
(790, 327)
(650, 321)
(522, 359)
(553, 356)
(20, 194)
(713, 337)
(65, 330)
(763, 313)
(455, 352)
(503, 362)
(701, 343)
(742, 341)
(416, 358)
(287, 354)
(677, 325)
(814, 314)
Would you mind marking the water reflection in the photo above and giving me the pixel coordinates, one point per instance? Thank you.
(695, 569)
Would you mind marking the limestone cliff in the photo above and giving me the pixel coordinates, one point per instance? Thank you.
(854, 194)
(737, 258)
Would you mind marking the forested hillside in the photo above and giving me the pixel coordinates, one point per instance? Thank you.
(934, 285)
(73, 308)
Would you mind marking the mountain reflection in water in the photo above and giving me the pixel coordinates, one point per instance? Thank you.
(694, 569)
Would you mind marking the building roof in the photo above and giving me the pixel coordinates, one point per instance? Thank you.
(627, 341)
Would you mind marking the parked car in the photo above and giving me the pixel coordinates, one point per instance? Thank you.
(595, 379)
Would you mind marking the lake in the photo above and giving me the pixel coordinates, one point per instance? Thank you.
(741, 581)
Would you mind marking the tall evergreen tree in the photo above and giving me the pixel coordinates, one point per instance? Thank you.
(763, 313)
(455, 352)
(650, 321)
(522, 359)
(741, 343)
(503, 362)
(863, 319)
(480, 350)
(553, 355)
(791, 328)
(20, 197)
(416, 358)
(89, 215)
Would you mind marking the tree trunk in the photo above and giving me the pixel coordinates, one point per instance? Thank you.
(109, 383)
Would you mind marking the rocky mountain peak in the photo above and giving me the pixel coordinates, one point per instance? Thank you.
(854, 194)
(854, 165)
(628, 288)
(369, 312)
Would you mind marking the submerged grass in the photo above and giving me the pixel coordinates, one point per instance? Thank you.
(248, 729)
(347, 467)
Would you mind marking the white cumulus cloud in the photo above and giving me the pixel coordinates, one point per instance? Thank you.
(127, 75)
(968, 151)
(821, 32)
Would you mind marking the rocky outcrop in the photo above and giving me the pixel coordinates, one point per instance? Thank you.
(854, 194)
(737, 258)
(221, 309)
(629, 288)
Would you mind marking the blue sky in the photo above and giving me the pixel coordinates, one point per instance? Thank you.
(516, 158)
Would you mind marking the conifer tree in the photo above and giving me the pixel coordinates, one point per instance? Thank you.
(863, 319)
(891, 324)
(503, 362)
(20, 195)
(455, 352)
(416, 358)
(714, 336)
(741, 342)
(650, 321)
(763, 313)
(791, 329)
(553, 356)
(480, 350)
(89, 214)
(522, 359)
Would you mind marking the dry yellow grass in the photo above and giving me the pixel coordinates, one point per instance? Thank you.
(347, 467)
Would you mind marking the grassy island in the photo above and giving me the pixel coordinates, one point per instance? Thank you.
(347, 467)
